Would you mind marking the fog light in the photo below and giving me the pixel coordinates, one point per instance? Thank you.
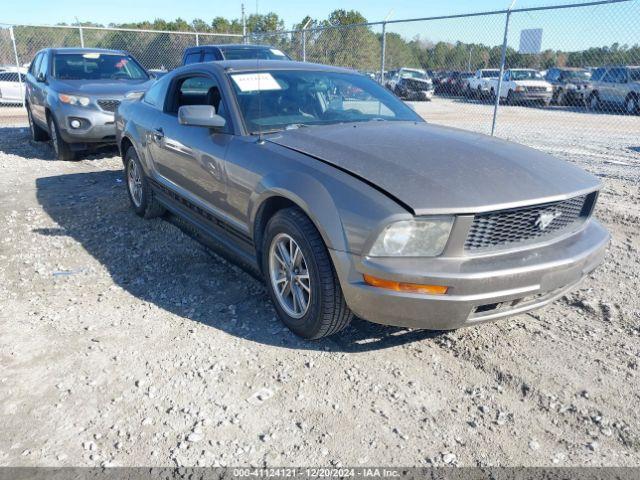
(405, 287)
(75, 124)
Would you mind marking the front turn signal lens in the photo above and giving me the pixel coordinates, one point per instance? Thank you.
(405, 287)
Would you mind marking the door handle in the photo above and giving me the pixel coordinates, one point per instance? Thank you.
(158, 134)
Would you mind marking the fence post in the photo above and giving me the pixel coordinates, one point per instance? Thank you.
(304, 45)
(15, 53)
(503, 58)
(81, 37)
(384, 47)
(197, 40)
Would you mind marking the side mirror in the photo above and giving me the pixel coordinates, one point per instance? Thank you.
(41, 77)
(200, 116)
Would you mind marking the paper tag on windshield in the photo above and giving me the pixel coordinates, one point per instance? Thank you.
(275, 51)
(253, 82)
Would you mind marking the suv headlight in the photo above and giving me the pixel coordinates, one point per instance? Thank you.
(74, 99)
(420, 237)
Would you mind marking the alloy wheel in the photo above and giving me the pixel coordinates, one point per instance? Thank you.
(289, 275)
(630, 106)
(134, 181)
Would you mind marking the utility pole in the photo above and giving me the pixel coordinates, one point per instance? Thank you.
(244, 25)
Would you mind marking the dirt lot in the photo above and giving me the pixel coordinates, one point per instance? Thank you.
(126, 342)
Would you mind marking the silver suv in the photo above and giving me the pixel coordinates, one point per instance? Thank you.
(615, 88)
(72, 95)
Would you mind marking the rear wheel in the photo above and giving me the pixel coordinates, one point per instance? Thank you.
(561, 98)
(141, 196)
(631, 106)
(61, 148)
(510, 98)
(300, 277)
(38, 134)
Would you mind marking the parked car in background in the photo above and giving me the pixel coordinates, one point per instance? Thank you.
(570, 85)
(357, 206)
(411, 84)
(479, 85)
(12, 87)
(212, 53)
(616, 88)
(157, 73)
(73, 93)
(458, 82)
(522, 85)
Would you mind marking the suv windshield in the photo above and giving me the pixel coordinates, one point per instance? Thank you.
(412, 74)
(244, 53)
(279, 99)
(576, 75)
(490, 73)
(525, 75)
(96, 66)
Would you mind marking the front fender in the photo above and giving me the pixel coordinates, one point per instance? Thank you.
(310, 195)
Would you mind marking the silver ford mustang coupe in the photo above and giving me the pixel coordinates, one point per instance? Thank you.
(349, 203)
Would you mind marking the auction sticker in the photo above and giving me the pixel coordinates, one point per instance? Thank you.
(252, 82)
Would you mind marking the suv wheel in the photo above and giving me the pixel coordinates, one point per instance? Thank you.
(140, 194)
(38, 134)
(631, 105)
(593, 101)
(61, 148)
(300, 277)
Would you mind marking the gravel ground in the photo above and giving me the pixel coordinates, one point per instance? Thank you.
(126, 342)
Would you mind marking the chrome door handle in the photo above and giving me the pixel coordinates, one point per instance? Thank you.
(158, 134)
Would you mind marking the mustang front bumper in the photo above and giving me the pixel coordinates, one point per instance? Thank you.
(481, 288)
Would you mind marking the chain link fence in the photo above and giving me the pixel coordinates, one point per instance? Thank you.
(586, 52)
(583, 54)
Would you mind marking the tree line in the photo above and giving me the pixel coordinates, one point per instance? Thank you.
(340, 39)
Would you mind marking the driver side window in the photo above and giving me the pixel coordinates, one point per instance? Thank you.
(198, 89)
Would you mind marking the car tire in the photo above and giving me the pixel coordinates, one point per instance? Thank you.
(38, 134)
(593, 102)
(325, 311)
(631, 105)
(510, 100)
(61, 148)
(561, 98)
(141, 195)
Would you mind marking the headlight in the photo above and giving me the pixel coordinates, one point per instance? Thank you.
(134, 95)
(520, 88)
(413, 238)
(549, 89)
(74, 99)
(571, 86)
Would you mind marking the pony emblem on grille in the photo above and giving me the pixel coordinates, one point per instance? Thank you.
(545, 219)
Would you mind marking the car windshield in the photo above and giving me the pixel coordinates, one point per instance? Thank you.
(576, 75)
(490, 73)
(280, 99)
(96, 66)
(634, 74)
(244, 53)
(525, 75)
(412, 74)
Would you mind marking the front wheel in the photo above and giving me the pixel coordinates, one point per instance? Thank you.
(300, 277)
(61, 148)
(593, 102)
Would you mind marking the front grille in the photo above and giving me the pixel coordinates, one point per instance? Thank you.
(519, 226)
(417, 84)
(536, 89)
(108, 105)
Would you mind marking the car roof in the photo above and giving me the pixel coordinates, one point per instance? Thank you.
(232, 46)
(86, 50)
(263, 65)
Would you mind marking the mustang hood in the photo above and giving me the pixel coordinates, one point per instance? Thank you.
(433, 170)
